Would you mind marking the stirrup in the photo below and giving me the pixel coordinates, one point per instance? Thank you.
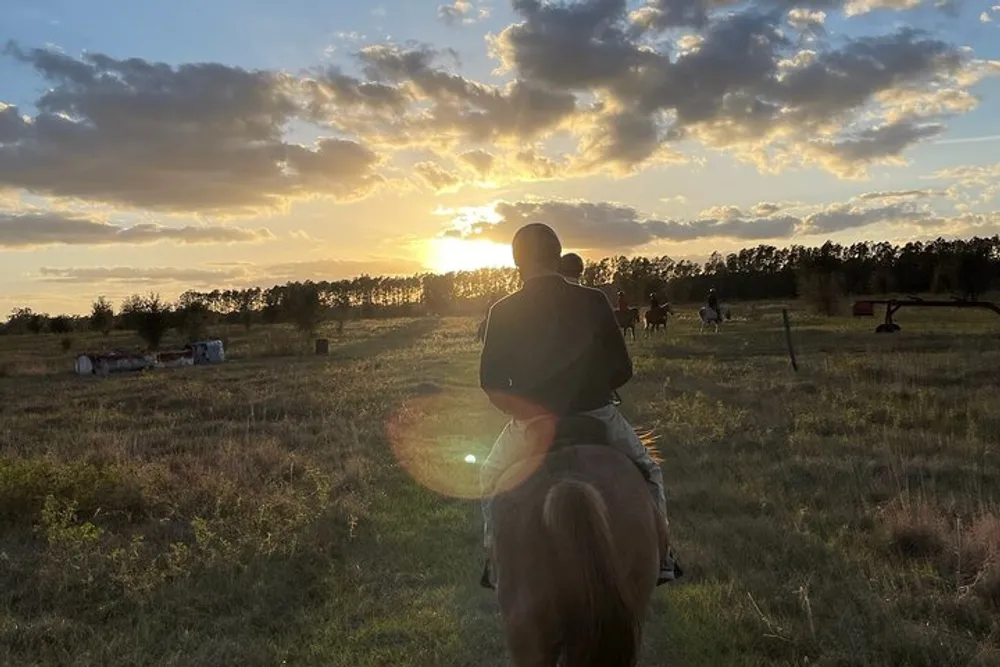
(484, 580)
(675, 569)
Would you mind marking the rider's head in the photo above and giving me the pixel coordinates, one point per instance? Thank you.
(571, 266)
(536, 250)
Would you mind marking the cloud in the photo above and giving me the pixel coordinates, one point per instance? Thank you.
(739, 82)
(972, 184)
(611, 227)
(244, 273)
(198, 137)
(766, 208)
(436, 176)
(481, 161)
(37, 229)
(448, 107)
(859, 7)
(461, 11)
(902, 194)
(615, 227)
(840, 217)
(337, 269)
(849, 155)
(595, 86)
(144, 275)
(806, 19)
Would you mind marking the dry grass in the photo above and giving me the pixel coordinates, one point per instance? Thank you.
(284, 507)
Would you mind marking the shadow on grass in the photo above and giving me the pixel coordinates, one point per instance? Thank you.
(388, 340)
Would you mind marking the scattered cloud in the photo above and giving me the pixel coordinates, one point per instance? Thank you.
(462, 12)
(243, 273)
(979, 184)
(902, 194)
(859, 7)
(611, 227)
(840, 217)
(741, 83)
(198, 137)
(481, 161)
(592, 87)
(437, 176)
(142, 275)
(35, 229)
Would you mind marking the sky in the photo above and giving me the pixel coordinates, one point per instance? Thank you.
(166, 146)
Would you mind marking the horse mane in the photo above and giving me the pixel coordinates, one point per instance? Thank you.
(648, 438)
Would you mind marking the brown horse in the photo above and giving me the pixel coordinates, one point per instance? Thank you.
(627, 319)
(656, 318)
(576, 552)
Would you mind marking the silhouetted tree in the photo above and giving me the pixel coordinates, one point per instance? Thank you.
(148, 316)
(102, 316)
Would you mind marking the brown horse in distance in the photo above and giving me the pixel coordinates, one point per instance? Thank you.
(576, 552)
(656, 318)
(627, 319)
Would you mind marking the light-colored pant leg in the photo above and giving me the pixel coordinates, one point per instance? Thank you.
(510, 446)
(624, 438)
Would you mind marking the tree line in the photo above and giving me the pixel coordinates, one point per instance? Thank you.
(822, 275)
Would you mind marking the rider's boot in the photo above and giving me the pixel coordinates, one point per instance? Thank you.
(670, 569)
(486, 580)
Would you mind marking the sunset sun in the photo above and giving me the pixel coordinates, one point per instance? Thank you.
(451, 254)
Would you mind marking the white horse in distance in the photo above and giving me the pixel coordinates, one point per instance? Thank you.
(710, 317)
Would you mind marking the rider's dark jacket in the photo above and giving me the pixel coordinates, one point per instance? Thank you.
(553, 347)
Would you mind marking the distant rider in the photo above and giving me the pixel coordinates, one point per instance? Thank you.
(713, 303)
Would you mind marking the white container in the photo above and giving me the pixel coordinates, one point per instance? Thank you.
(84, 366)
(208, 352)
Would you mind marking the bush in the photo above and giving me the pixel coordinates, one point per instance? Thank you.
(303, 306)
(25, 484)
(60, 324)
(148, 316)
(102, 316)
(192, 320)
(822, 290)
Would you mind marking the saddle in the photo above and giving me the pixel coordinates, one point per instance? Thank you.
(579, 429)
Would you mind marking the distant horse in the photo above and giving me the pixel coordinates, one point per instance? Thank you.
(656, 318)
(709, 316)
(576, 550)
(627, 319)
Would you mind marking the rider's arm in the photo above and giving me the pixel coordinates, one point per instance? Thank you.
(616, 355)
(493, 377)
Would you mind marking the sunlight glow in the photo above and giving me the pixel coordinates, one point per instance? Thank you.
(451, 254)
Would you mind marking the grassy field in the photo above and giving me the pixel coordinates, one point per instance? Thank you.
(286, 509)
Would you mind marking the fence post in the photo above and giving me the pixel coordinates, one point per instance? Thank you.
(788, 339)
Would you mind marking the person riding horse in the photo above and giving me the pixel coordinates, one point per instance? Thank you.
(713, 303)
(622, 301)
(553, 349)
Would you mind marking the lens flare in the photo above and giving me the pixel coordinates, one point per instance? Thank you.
(442, 440)
(436, 449)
